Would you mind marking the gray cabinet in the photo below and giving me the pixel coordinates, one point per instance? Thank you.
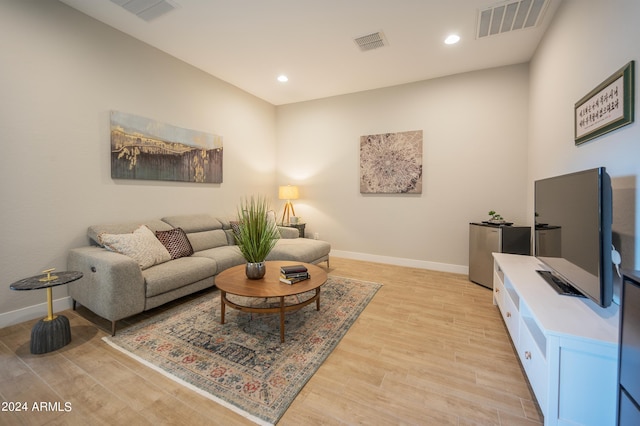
(485, 239)
(629, 352)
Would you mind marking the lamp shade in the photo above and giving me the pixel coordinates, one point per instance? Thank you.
(288, 192)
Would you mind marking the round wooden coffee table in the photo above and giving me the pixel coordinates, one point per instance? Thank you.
(234, 281)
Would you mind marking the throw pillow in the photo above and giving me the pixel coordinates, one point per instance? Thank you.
(142, 245)
(235, 227)
(176, 242)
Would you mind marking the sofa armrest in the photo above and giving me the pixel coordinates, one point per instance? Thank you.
(287, 232)
(112, 285)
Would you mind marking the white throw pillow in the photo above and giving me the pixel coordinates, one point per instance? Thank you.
(142, 245)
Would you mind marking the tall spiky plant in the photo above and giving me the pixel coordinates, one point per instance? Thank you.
(256, 234)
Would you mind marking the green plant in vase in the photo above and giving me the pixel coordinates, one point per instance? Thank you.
(495, 217)
(255, 234)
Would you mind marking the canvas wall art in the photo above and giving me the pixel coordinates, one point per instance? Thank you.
(142, 148)
(391, 163)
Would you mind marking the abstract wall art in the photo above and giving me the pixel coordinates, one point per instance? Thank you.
(142, 148)
(391, 163)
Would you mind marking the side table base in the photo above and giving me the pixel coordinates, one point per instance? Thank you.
(50, 335)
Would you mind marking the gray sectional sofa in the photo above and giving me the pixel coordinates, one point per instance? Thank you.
(115, 286)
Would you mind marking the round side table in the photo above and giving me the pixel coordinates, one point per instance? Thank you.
(53, 332)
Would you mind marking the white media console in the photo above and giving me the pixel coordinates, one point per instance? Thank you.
(568, 346)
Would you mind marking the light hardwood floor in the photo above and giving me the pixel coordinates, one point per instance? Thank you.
(429, 349)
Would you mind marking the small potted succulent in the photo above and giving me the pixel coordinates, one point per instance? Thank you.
(255, 234)
(495, 218)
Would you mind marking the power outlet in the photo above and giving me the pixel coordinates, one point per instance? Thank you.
(316, 236)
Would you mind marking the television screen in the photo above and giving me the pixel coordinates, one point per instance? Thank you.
(573, 232)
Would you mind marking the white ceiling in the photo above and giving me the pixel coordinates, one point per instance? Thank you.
(248, 43)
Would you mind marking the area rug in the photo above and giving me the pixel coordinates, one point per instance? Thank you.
(242, 364)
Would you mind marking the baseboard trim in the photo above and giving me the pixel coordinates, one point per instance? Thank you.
(32, 312)
(40, 310)
(399, 261)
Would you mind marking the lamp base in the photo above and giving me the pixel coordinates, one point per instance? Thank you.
(288, 209)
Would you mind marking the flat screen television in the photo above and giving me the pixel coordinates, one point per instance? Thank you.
(573, 217)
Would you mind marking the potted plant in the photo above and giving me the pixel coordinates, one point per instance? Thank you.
(255, 234)
(495, 217)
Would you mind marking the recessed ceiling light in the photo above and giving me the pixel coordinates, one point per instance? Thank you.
(452, 39)
(283, 78)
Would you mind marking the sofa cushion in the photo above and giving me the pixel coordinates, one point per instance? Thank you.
(287, 232)
(225, 257)
(178, 273)
(141, 245)
(124, 228)
(176, 242)
(225, 222)
(207, 239)
(231, 237)
(299, 249)
(193, 222)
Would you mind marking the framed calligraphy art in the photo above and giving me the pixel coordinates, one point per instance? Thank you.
(607, 107)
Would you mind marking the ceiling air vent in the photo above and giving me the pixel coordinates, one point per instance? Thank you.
(371, 41)
(510, 16)
(147, 10)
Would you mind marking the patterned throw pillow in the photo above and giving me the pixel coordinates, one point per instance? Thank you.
(235, 226)
(176, 242)
(142, 245)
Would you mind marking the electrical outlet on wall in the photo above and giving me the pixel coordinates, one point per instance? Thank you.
(316, 236)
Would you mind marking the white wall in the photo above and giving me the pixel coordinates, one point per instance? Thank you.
(474, 160)
(61, 74)
(587, 42)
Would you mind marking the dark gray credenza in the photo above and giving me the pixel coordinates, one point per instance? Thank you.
(629, 372)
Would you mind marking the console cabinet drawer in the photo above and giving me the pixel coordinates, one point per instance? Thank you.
(510, 315)
(534, 363)
(498, 285)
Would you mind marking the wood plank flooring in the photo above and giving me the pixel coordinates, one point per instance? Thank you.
(430, 349)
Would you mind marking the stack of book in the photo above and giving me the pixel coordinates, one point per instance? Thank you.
(293, 274)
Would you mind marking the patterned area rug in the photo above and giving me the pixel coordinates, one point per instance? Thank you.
(242, 364)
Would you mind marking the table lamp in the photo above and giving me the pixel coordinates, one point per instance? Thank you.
(288, 193)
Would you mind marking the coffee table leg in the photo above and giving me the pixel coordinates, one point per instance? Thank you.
(222, 296)
(281, 319)
(318, 299)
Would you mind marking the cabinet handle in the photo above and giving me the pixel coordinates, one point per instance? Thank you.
(497, 290)
(508, 314)
(527, 355)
